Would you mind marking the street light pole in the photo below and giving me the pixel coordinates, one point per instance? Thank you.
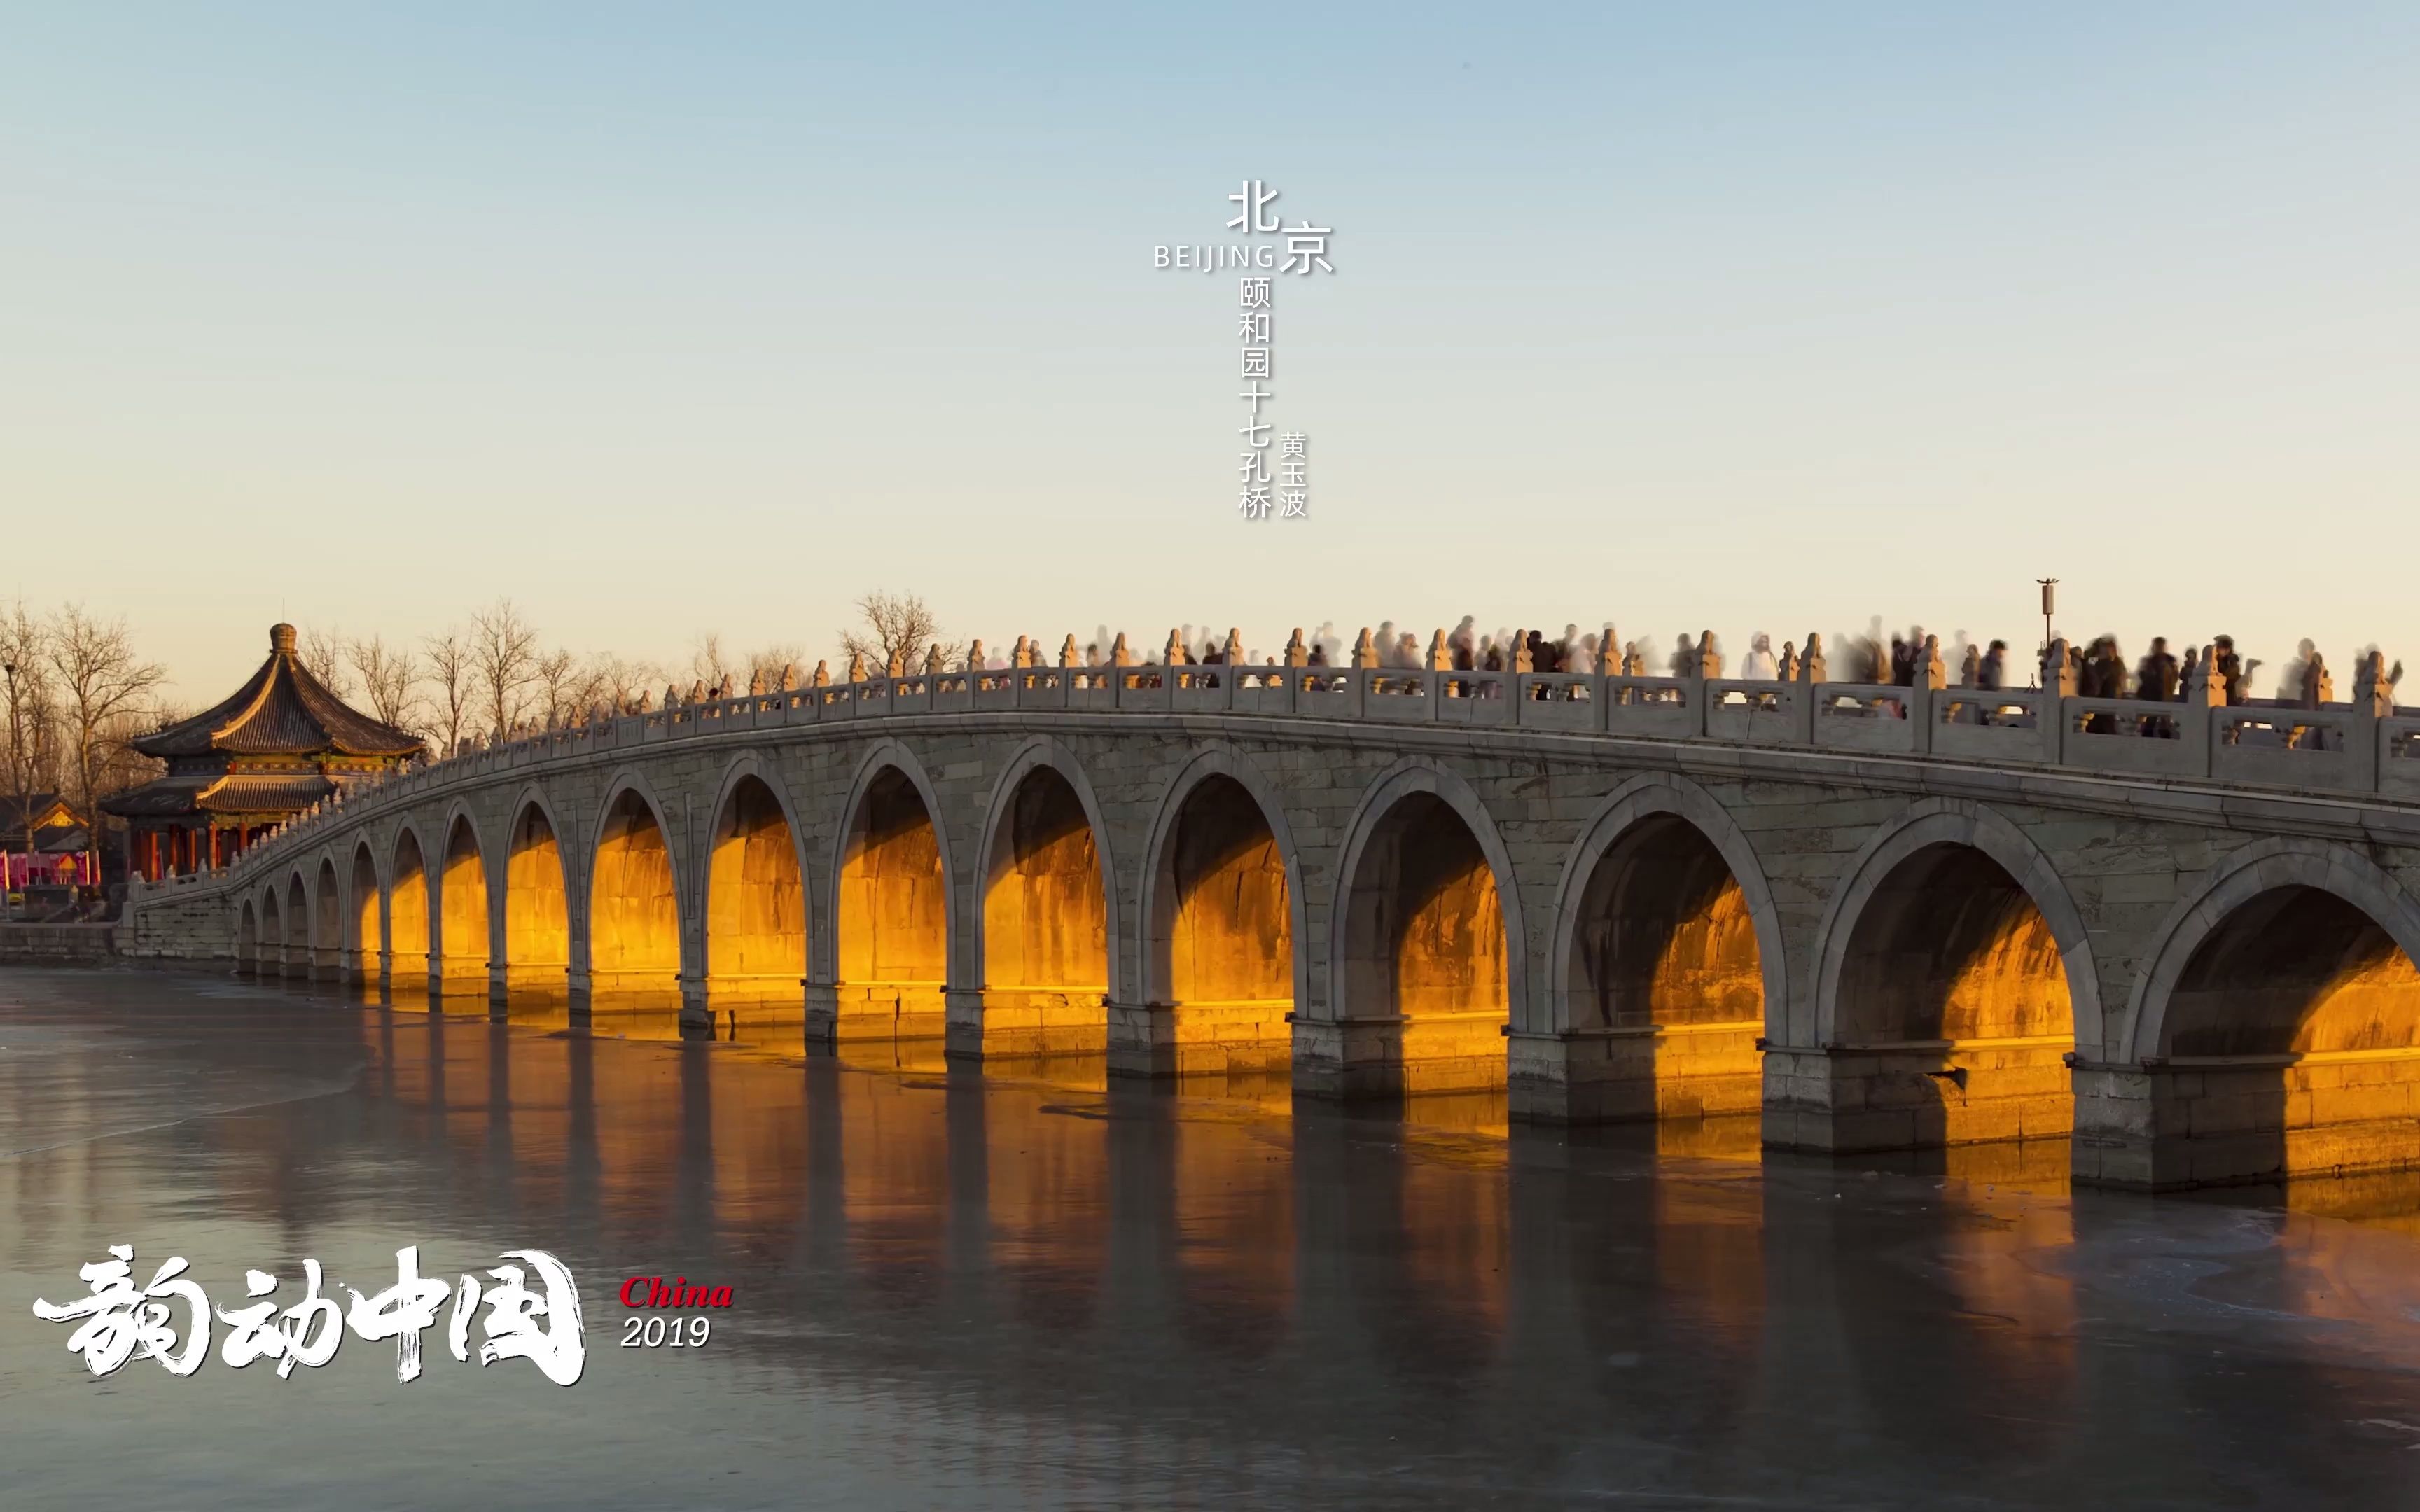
(24, 801)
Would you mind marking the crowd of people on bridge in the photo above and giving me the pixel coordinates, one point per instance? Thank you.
(2096, 671)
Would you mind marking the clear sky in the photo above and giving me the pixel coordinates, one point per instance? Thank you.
(668, 318)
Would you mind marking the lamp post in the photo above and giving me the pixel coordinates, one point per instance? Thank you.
(16, 764)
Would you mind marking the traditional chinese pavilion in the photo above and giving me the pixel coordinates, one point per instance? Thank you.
(282, 743)
(58, 841)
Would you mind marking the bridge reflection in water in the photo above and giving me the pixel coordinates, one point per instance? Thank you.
(1454, 1285)
(1455, 1255)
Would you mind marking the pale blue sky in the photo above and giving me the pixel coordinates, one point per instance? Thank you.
(669, 318)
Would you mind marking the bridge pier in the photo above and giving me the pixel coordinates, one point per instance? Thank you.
(1010, 1022)
(1634, 1074)
(1381, 1058)
(2229, 1121)
(852, 1012)
(1916, 1095)
(1199, 1038)
(525, 977)
(349, 969)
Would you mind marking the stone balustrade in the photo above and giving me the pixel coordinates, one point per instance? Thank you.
(2337, 748)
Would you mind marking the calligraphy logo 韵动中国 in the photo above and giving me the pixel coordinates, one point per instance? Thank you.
(120, 1322)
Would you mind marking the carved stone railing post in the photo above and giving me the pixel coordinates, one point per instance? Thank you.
(1930, 681)
(2204, 691)
(2058, 685)
(2373, 700)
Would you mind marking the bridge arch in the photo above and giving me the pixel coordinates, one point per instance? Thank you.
(1661, 829)
(462, 941)
(297, 927)
(247, 940)
(2279, 1020)
(1044, 932)
(272, 934)
(409, 943)
(635, 939)
(754, 881)
(890, 900)
(327, 919)
(1668, 960)
(1427, 952)
(537, 897)
(364, 918)
(1223, 909)
(2305, 888)
(1953, 974)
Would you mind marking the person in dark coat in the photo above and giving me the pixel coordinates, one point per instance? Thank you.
(2228, 669)
(2104, 677)
(1991, 672)
(2155, 678)
(1541, 656)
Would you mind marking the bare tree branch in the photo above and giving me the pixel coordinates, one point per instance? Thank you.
(450, 672)
(504, 655)
(323, 658)
(898, 629)
(389, 680)
(765, 665)
(102, 686)
(617, 683)
(32, 730)
(556, 676)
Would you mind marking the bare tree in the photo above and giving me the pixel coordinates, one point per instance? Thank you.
(390, 679)
(323, 656)
(504, 657)
(617, 683)
(765, 664)
(556, 675)
(450, 670)
(121, 766)
(32, 726)
(706, 663)
(102, 685)
(898, 626)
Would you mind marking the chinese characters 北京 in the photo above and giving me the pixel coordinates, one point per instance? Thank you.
(121, 1323)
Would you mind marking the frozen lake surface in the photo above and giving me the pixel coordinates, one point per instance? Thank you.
(1039, 1289)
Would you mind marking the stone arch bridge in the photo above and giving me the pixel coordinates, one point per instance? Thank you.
(1885, 918)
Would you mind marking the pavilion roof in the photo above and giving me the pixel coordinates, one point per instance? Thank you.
(42, 807)
(282, 711)
(276, 793)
